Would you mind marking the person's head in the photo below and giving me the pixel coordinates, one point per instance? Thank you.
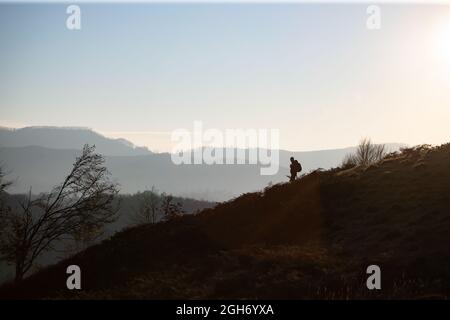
(292, 159)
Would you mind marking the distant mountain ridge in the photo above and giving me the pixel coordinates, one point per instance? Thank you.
(40, 157)
(41, 168)
(68, 138)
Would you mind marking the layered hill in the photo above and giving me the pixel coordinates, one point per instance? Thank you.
(313, 238)
(39, 157)
(67, 138)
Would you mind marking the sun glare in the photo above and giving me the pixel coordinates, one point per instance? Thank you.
(442, 41)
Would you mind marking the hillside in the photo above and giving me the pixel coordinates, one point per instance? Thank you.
(39, 157)
(313, 238)
(41, 168)
(127, 216)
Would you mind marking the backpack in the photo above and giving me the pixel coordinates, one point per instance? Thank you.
(297, 166)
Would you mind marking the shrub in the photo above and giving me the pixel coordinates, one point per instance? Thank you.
(367, 153)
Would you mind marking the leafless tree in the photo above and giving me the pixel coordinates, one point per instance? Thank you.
(366, 154)
(169, 208)
(148, 210)
(83, 202)
(3, 184)
(4, 208)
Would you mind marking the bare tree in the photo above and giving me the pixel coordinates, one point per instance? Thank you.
(3, 184)
(169, 208)
(82, 202)
(4, 208)
(366, 154)
(148, 210)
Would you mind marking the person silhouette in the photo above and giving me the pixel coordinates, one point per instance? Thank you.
(296, 167)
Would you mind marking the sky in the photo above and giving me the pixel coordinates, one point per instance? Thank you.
(314, 72)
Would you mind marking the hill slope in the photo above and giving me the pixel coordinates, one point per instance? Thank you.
(313, 238)
(42, 168)
(39, 157)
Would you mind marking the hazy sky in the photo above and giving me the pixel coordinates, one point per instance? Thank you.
(313, 71)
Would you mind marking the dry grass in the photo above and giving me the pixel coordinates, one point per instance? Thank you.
(311, 239)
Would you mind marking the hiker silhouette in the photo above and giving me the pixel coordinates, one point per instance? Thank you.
(296, 167)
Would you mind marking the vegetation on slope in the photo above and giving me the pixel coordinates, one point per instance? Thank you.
(313, 238)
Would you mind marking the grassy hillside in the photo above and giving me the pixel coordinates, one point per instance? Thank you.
(313, 238)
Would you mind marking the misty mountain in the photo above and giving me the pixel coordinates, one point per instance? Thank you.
(41, 168)
(68, 138)
(40, 157)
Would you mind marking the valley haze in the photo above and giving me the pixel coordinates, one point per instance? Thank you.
(39, 157)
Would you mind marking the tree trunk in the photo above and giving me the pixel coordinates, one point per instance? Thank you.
(19, 273)
(20, 266)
